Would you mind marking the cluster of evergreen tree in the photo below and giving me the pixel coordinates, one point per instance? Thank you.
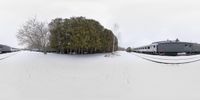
(80, 35)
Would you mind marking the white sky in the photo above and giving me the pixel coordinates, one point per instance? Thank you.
(140, 21)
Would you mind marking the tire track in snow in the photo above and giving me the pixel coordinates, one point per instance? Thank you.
(7, 56)
(165, 62)
(173, 58)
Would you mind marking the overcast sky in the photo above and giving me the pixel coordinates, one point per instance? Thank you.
(140, 21)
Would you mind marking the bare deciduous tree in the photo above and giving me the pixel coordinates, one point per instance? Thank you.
(34, 34)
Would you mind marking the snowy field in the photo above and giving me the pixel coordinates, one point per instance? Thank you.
(34, 76)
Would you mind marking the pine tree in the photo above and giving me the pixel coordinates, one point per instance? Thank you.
(80, 35)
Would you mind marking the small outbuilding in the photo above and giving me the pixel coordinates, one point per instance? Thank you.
(4, 48)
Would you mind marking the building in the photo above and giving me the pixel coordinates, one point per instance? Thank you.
(169, 48)
(4, 48)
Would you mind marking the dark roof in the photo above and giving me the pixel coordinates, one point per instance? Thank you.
(169, 41)
(1, 45)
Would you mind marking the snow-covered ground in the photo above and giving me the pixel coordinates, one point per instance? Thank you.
(35, 76)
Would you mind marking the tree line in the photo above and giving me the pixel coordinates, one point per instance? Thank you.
(70, 35)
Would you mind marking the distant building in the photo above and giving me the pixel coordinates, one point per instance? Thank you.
(169, 47)
(4, 48)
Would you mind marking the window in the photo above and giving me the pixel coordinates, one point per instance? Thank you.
(186, 45)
